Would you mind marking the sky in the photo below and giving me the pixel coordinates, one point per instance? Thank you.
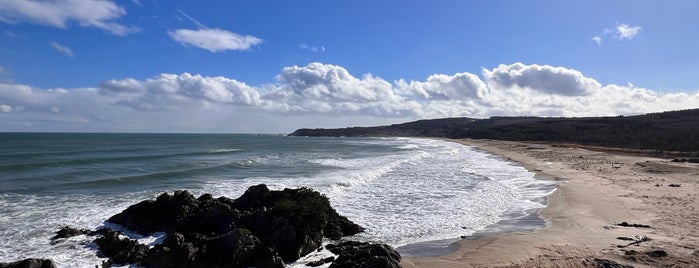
(260, 66)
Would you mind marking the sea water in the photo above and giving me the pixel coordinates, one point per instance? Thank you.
(405, 191)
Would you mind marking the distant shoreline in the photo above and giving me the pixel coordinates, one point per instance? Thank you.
(600, 189)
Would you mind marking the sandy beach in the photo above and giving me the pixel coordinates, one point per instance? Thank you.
(597, 192)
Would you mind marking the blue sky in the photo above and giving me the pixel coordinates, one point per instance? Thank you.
(273, 66)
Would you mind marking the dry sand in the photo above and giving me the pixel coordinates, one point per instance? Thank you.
(597, 190)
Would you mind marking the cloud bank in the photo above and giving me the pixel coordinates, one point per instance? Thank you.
(60, 13)
(318, 95)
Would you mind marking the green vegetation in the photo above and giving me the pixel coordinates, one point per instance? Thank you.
(675, 131)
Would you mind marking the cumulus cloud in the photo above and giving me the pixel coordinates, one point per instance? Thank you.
(317, 94)
(214, 40)
(169, 91)
(63, 49)
(330, 88)
(59, 13)
(541, 78)
(460, 86)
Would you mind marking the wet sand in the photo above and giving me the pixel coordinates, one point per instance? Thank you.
(598, 191)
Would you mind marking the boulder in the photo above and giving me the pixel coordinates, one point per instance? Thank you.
(260, 228)
(353, 254)
(68, 231)
(30, 263)
(656, 253)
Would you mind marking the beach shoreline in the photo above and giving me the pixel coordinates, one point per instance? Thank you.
(599, 191)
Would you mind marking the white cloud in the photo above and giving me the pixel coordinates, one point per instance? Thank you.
(329, 88)
(63, 49)
(169, 91)
(6, 108)
(541, 78)
(460, 86)
(620, 32)
(624, 31)
(59, 13)
(321, 95)
(214, 40)
(312, 48)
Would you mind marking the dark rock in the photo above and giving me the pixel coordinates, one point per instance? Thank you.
(353, 254)
(686, 160)
(636, 241)
(68, 231)
(674, 185)
(179, 213)
(260, 228)
(626, 224)
(656, 253)
(604, 263)
(121, 251)
(292, 221)
(339, 226)
(238, 248)
(30, 263)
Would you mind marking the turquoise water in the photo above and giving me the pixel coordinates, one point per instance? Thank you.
(404, 191)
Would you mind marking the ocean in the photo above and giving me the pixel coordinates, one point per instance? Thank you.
(405, 191)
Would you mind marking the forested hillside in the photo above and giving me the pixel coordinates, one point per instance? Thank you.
(666, 131)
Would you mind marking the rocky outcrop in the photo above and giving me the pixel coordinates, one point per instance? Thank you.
(354, 254)
(261, 228)
(29, 263)
(121, 251)
(293, 221)
(68, 231)
(238, 248)
(179, 213)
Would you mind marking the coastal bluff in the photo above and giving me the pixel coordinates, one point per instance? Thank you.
(261, 228)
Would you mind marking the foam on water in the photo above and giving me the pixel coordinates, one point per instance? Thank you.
(29, 221)
(435, 190)
(422, 190)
